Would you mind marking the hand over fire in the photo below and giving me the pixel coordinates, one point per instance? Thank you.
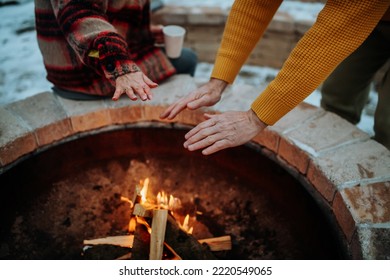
(207, 95)
(134, 85)
(223, 131)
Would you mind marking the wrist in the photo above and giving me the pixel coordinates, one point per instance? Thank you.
(218, 84)
(256, 120)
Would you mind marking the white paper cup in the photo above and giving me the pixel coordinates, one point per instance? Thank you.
(174, 39)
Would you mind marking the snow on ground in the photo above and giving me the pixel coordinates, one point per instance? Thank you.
(21, 67)
(22, 73)
(299, 10)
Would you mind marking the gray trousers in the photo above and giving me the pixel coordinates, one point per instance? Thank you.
(346, 91)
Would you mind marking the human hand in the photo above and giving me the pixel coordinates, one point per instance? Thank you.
(135, 85)
(207, 95)
(223, 131)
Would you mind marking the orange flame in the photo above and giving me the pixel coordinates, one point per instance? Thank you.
(144, 190)
(163, 201)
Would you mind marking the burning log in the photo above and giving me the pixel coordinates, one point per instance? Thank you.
(185, 245)
(159, 223)
(104, 252)
(141, 245)
(156, 231)
(142, 211)
(125, 256)
(222, 243)
(171, 254)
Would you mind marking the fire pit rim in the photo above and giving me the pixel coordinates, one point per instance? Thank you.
(45, 120)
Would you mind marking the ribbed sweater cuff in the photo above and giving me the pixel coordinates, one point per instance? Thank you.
(225, 69)
(270, 109)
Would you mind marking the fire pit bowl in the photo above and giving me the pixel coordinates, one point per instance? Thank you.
(72, 192)
(310, 187)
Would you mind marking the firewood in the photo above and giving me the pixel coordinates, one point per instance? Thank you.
(172, 252)
(125, 257)
(159, 224)
(142, 210)
(121, 240)
(168, 249)
(141, 244)
(184, 244)
(222, 243)
(104, 252)
(137, 197)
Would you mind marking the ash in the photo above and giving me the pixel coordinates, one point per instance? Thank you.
(88, 206)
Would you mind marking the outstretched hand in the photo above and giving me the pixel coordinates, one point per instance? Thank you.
(207, 95)
(223, 131)
(134, 85)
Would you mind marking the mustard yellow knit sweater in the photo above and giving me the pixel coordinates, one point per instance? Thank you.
(340, 28)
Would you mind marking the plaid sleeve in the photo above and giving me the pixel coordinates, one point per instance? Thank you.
(94, 40)
(113, 57)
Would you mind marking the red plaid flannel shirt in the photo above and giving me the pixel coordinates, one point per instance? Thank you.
(87, 44)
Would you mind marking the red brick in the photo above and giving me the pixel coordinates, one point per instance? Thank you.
(86, 115)
(53, 132)
(321, 181)
(344, 217)
(90, 121)
(17, 148)
(294, 155)
(123, 115)
(269, 139)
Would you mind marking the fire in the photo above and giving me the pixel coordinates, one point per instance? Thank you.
(185, 226)
(172, 203)
(154, 215)
(144, 190)
(162, 201)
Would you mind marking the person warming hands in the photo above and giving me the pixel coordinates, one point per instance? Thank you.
(340, 28)
(95, 49)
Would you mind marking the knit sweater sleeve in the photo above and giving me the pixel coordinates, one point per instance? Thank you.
(340, 28)
(246, 23)
(94, 40)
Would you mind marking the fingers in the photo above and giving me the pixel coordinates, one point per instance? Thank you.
(210, 143)
(130, 94)
(207, 95)
(173, 110)
(206, 134)
(143, 92)
(220, 131)
(217, 146)
(204, 129)
(197, 103)
(194, 100)
(140, 90)
(149, 82)
(135, 85)
(118, 92)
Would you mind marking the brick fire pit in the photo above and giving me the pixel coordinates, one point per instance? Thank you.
(346, 172)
